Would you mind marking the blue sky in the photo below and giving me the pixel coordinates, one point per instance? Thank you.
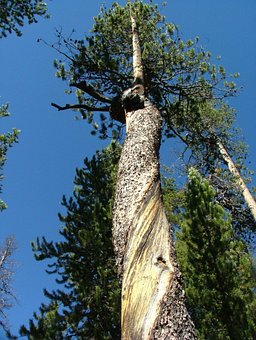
(41, 168)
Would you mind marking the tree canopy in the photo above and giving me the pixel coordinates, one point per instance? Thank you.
(216, 267)
(14, 12)
(178, 74)
(180, 79)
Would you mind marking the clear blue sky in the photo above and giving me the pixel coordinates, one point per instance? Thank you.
(41, 168)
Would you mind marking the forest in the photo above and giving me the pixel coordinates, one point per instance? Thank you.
(155, 235)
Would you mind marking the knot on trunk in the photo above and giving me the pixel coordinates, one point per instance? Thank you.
(133, 99)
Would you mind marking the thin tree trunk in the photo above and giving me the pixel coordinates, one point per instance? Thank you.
(153, 302)
(137, 62)
(240, 182)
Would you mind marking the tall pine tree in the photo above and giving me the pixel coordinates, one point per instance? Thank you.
(216, 267)
(88, 301)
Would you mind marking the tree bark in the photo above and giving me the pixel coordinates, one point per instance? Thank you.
(240, 182)
(137, 62)
(153, 302)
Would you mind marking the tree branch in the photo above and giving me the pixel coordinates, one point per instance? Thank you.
(89, 89)
(80, 106)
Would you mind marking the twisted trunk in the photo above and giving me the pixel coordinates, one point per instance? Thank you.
(153, 305)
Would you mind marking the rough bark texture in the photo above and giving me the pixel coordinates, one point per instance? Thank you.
(153, 303)
(241, 184)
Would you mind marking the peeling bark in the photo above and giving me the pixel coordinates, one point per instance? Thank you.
(153, 302)
(240, 182)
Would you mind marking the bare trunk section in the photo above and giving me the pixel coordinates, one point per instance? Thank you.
(137, 62)
(240, 182)
(153, 303)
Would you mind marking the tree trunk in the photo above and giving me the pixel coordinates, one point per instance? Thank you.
(153, 303)
(240, 182)
(137, 62)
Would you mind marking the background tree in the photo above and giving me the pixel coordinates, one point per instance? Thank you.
(6, 141)
(7, 297)
(6, 250)
(12, 15)
(212, 141)
(216, 267)
(14, 12)
(87, 304)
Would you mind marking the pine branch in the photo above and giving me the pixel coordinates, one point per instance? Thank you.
(80, 106)
(89, 89)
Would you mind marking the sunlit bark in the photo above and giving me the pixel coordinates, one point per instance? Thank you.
(240, 182)
(152, 297)
(153, 302)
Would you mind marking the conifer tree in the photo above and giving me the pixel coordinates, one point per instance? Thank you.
(87, 304)
(212, 141)
(7, 297)
(6, 141)
(216, 267)
(14, 12)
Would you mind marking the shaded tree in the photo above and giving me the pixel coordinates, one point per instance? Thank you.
(216, 267)
(13, 14)
(87, 304)
(7, 249)
(6, 141)
(212, 141)
(7, 297)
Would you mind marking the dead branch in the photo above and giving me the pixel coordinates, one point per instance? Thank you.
(89, 89)
(80, 106)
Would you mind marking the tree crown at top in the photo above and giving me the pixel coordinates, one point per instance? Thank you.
(177, 73)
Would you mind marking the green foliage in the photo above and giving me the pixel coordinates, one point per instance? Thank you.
(173, 198)
(14, 12)
(208, 123)
(215, 264)
(6, 141)
(177, 73)
(188, 90)
(88, 302)
(216, 267)
(179, 78)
